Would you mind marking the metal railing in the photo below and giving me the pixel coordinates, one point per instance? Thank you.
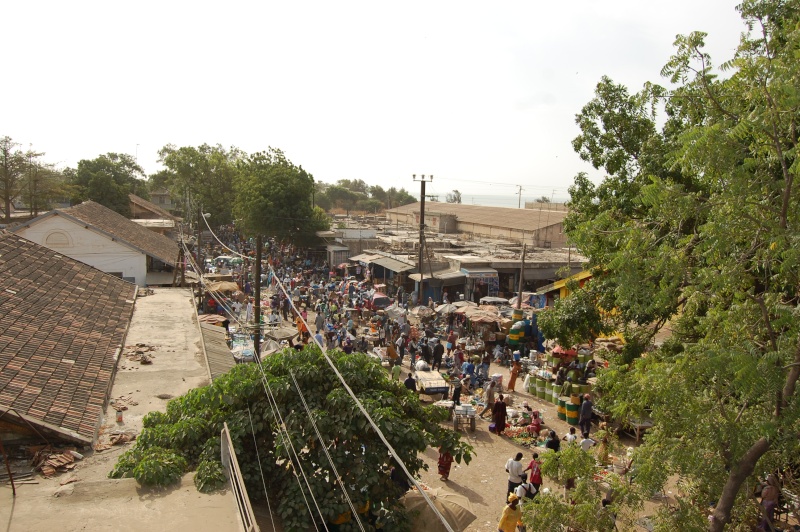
(231, 465)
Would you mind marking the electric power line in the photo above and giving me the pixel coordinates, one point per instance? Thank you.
(358, 403)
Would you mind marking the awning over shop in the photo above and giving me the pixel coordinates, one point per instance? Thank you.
(479, 273)
(449, 274)
(366, 258)
(442, 275)
(393, 264)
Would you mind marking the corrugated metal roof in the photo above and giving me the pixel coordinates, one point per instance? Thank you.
(365, 257)
(393, 264)
(479, 272)
(501, 217)
(449, 274)
(445, 274)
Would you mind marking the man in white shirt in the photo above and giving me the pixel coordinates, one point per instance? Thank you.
(514, 468)
(525, 491)
(586, 442)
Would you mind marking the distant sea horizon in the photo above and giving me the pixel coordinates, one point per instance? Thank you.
(499, 200)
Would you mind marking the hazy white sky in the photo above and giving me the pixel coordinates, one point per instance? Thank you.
(482, 95)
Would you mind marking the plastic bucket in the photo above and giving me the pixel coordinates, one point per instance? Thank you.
(556, 391)
(547, 392)
(562, 408)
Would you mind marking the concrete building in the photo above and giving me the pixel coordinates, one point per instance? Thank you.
(541, 228)
(100, 237)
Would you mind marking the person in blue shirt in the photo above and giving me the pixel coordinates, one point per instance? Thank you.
(469, 371)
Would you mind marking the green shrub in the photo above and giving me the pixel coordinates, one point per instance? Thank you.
(159, 467)
(210, 476)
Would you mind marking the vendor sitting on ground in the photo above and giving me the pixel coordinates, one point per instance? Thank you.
(535, 426)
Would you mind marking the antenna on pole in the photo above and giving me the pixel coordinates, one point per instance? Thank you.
(422, 180)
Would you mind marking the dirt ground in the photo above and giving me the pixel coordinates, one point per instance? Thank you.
(484, 480)
(164, 320)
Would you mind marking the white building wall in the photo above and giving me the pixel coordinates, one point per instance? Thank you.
(88, 246)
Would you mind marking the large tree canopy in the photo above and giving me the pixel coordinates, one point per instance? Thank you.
(187, 436)
(108, 179)
(274, 198)
(696, 225)
(204, 176)
(12, 172)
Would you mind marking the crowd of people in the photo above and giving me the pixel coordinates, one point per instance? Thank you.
(296, 287)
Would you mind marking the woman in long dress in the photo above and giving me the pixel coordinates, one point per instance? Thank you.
(444, 463)
(512, 382)
(499, 415)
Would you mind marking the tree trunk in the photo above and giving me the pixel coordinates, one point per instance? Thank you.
(737, 476)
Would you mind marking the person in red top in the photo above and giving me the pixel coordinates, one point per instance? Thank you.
(451, 342)
(535, 426)
(444, 464)
(536, 473)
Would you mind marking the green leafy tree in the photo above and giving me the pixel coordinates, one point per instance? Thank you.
(582, 509)
(12, 172)
(107, 180)
(44, 185)
(187, 436)
(203, 175)
(573, 320)
(321, 198)
(696, 225)
(453, 197)
(355, 185)
(369, 205)
(378, 193)
(344, 198)
(398, 198)
(273, 197)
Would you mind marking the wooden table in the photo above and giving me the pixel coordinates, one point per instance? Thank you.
(637, 427)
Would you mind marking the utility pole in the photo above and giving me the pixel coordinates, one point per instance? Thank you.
(521, 279)
(519, 192)
(422, 181)
(257, 306)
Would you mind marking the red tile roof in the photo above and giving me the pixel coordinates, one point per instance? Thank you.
(61, 324)
(152, 207)
(112, 223)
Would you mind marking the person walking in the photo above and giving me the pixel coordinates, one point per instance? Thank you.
(456, 391)
(396, 370)
(444, 463)
(499, 413)
(401, 347)
(535, 472)
(438, 351)
(512, 382)
(585, 415)
(511, 515)
(516, 474)
(489, 399)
